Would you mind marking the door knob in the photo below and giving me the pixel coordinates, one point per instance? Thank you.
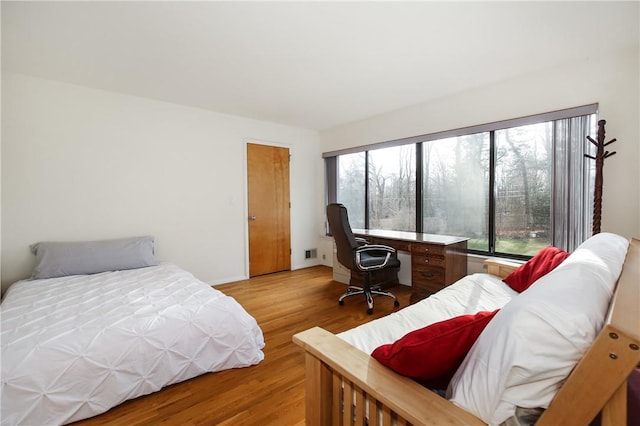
(252, 218)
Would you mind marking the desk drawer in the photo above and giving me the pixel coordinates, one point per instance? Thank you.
(423, 274)
(399, 245)
(396, 244)
(419, 261)
(427, 249)
(418, 294)
(421, 288)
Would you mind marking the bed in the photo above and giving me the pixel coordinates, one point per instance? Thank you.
(74, 346)
(562, 350)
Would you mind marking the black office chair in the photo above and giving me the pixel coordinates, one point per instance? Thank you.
(355, 253)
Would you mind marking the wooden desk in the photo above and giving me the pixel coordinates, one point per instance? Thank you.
(436, 260)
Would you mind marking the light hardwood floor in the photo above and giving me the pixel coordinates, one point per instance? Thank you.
(272, 392)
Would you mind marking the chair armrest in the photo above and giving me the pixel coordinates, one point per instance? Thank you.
(385, 251)
(376, 247)
(361, 241)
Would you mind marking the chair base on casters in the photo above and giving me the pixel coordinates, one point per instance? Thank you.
(368, 294)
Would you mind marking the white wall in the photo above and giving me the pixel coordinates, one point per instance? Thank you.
(610, 81)
(83, 164)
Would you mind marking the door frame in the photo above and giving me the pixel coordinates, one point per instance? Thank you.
(247, 141)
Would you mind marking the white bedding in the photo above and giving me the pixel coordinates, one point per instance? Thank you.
(469, 295)
(73, 347)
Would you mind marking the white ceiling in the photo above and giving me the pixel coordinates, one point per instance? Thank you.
(314, 65)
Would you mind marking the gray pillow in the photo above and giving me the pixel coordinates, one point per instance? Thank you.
(59, 259)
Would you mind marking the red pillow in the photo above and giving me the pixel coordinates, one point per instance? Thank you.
(432, 354)
(541, 264)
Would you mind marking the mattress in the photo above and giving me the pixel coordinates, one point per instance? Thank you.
(469, 295)
(73, 347)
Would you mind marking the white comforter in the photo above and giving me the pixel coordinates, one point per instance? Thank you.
(469, 295)
(73, 347)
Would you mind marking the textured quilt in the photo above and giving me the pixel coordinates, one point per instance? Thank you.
(469, 295)
(73, 347)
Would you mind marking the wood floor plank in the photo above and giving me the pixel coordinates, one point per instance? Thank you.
(272, 392)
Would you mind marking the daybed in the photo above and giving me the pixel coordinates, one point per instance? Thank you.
(565, 346)
(75, 345)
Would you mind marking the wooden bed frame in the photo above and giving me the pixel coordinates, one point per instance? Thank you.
(340, 375)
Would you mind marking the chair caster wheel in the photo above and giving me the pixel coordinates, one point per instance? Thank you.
(341, 302)
(369, 311)
(396, 303)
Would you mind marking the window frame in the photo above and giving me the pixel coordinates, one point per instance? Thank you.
(331, 169)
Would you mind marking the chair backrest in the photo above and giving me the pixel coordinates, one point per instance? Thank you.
(342, 234)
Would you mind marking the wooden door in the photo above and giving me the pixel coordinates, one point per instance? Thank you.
(269, 209)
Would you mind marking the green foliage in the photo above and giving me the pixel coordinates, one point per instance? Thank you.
(523, 246)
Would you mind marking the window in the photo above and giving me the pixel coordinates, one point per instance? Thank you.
(351, 186)
(392, 188)
(456, 188)
(523, 188)
(511, 187)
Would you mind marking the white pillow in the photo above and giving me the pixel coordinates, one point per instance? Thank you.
(530, 347)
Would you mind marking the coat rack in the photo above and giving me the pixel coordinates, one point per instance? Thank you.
(601, 154)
